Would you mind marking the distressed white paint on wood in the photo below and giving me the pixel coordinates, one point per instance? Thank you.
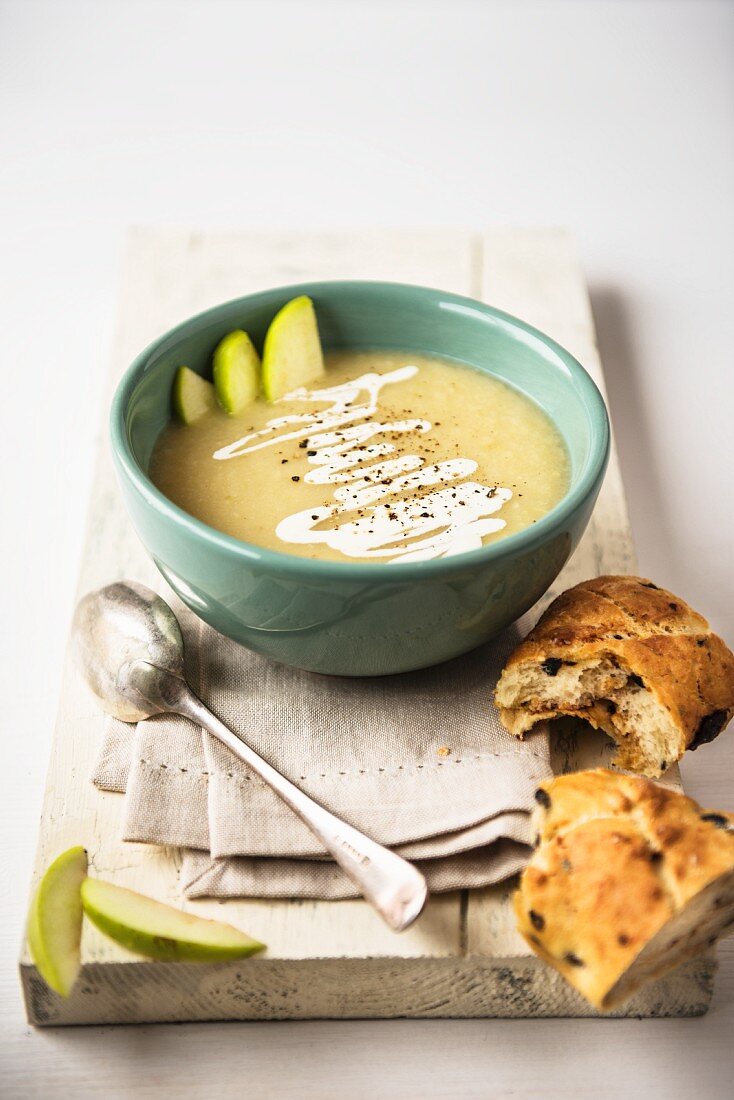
(463, 958)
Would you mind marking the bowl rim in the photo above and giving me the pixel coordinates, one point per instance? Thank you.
(528, 538)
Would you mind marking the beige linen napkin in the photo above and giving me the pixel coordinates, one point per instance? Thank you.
(418, 761)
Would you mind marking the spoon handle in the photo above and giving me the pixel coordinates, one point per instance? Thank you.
(393, 886)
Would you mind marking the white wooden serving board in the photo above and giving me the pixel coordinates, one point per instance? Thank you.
(324, 959)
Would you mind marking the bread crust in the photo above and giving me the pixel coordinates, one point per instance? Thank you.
(620, 866)
(651, 634)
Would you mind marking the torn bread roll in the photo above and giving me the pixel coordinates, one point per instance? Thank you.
(633, 660)
(628, 880)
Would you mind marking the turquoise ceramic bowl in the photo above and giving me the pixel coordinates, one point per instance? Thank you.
(363, 619)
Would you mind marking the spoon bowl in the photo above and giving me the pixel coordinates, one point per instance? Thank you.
(113, 628)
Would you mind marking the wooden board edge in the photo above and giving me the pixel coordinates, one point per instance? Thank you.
(141, 991)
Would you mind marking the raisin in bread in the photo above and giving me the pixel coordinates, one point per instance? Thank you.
(631, 659)
(628, 880)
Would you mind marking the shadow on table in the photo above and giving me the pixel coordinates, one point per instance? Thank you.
(623, 373)
(383, 1060)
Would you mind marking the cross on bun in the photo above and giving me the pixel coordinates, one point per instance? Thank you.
(628, 880)
(633, 660)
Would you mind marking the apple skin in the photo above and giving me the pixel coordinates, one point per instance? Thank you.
(236, 371)
(292, 355)
(148, 927)
(191, 396)
(55, 921)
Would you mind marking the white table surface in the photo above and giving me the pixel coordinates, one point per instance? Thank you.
(613, 118)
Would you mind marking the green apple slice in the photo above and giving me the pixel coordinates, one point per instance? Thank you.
(192, 395)
(159, 931)
(236, 372)
(292, 355)
(55, 921)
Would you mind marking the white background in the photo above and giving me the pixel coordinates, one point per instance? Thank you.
(613, 118)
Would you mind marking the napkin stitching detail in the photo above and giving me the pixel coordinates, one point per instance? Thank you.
(160, 766)
(173, 767)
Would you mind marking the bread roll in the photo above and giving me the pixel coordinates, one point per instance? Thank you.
(628, 880)
(633, 660)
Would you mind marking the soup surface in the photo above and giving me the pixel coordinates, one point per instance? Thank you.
(390, 457)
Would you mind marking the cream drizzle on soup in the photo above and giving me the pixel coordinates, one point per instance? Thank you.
(397, 521)
(394, 458)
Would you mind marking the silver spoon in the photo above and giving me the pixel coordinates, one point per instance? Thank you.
(129, 646)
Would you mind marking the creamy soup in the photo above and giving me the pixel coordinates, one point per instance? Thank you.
(389, 457)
